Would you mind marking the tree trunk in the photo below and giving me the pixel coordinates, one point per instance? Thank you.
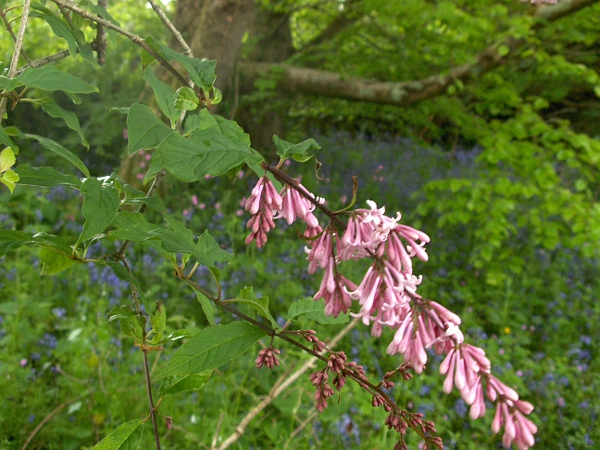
(215, 29)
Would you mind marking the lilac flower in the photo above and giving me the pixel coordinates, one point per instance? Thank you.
(267, 357)
(264, 201)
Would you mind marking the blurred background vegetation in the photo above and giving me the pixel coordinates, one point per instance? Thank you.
(501, 169)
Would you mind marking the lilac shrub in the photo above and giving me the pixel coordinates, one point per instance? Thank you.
(387, 297)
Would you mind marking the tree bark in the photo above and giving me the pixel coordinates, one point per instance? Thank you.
(215, 29)
(300, 80)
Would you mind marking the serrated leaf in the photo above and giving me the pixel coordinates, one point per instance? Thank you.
(46, 177)
(145, 130)
(216, 147)
(53, 262)
(164, 94)
(186, 99)
(195, 382)
(211, 348)
(314, 310)
(260, 305)
(126, 436)
(54, 110)
(301, 152)
(99, 207)
(207, 307)
(59, 150)
(50, 78)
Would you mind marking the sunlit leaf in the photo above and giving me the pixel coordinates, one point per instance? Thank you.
(126, 436)
(194, 382)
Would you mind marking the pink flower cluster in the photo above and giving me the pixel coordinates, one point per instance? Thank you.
(266, 204)
(387, 296)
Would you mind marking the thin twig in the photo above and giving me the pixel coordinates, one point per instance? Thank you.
(174, 31)
(43, 61)
(279, 387)
(101, 37)
(133, 37)
(17, 51)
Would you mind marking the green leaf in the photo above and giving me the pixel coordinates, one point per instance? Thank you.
(145, 130)
(9, 179)
(7, 159)
(207, 307)
(186, 99)
(126, 436)
(314, 310)
(299, 152)
(194, 382)
(201, 71)
(218, 146)
(159, 323)
(211, 348)
(53, 262)
(260, 305)
(70, 118)
(133, 227)
(164, 95)
(59, 150)
(59, 27)
(12, 239)
(51, 79)
(208, 251)
(8, 84)
(135, 196)
(46, 177)
(6, 140)
(53, 242)
(132, 324)
(99, 207)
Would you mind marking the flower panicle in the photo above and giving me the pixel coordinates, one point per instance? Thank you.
(387, 297)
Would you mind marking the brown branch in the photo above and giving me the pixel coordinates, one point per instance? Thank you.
(174, 31)
(329, 84)
(17, 51)
(133, 37)
(100, 41)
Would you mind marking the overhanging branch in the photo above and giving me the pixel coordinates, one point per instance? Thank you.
(292, 79)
